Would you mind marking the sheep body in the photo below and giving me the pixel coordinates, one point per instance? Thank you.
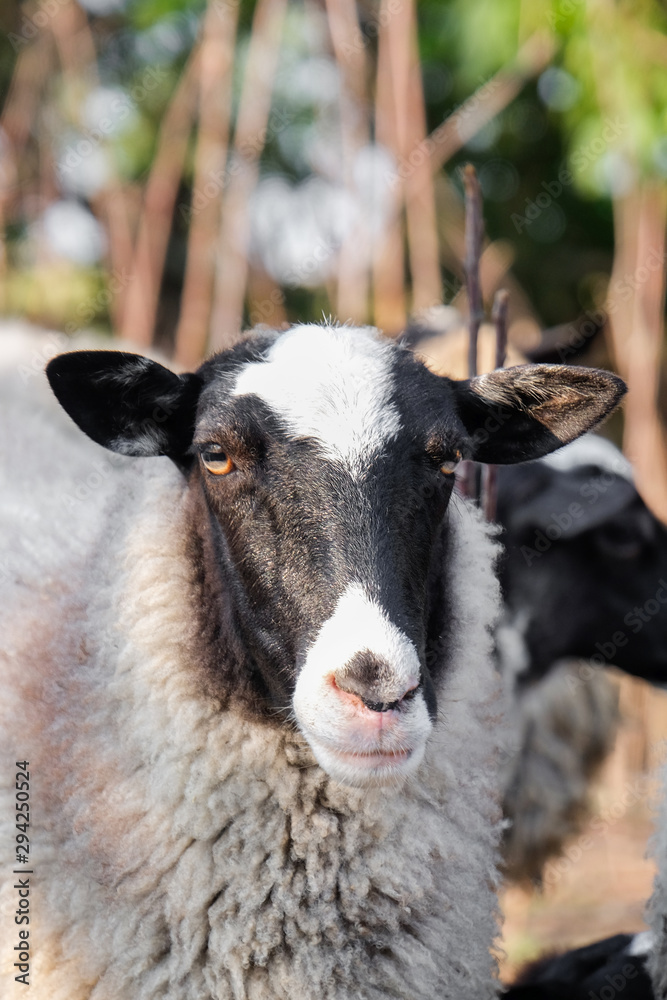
(559, 732)
(657, 909)
(185, 850)
(574, 525)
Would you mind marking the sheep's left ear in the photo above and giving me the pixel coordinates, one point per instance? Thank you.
(127, 403)
(516, 414)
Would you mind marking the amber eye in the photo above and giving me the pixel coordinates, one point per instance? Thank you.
(449, 466)
(217, 463)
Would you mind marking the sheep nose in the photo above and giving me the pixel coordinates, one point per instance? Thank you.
(373, 680)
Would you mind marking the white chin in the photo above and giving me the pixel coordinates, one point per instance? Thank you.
(367, 769)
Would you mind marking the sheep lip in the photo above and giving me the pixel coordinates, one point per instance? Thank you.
(378, 768)
(375, 757)
(383, 761)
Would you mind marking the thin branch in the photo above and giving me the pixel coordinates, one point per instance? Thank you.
(474, 241)
(249, 139)
(215, 100)
(499, 317)
(490, 472)
(138, 322)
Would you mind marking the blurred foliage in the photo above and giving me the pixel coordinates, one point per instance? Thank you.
(608, 67)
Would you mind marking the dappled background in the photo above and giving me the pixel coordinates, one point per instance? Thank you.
(173, 171)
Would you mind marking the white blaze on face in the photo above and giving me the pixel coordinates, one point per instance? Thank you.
(351, 743)
(332, 384)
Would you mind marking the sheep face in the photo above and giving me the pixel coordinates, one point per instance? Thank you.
(586, 566)
(321, 460)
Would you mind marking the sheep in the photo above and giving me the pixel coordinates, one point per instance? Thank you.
(580, 540)
(631, 966)
(607, 969)
(562, 712)
(583, 557)
(657, 908)
(252, 670)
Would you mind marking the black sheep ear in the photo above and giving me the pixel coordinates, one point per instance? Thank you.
(127, 403)
(531, 496)
(521, 413)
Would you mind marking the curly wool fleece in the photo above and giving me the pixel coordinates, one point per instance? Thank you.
(184, 851)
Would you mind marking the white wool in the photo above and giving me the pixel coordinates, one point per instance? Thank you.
(641, 944)
(559, 731)
(182, 850)
(331, 387)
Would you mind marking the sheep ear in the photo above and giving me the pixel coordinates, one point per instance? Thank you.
(530, 496)
(127, 403)
(516, 414)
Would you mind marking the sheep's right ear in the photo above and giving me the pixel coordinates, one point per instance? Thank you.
(127, 403)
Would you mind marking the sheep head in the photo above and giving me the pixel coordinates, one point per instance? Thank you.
(324, 459)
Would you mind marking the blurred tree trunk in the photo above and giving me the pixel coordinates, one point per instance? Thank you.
(215, 99)
(352, 293)
(138, 321)
(249, 139)
(636, 306)
(389, 305)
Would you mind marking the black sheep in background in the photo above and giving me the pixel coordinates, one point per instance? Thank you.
(607, 970)
(585, 573)
(585, 586)
(584, 580)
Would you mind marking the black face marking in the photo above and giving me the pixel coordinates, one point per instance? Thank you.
(301, 517)
(293, 529)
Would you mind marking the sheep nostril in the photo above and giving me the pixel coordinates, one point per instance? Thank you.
(381, 706)
(375, 682)
(389, 706)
